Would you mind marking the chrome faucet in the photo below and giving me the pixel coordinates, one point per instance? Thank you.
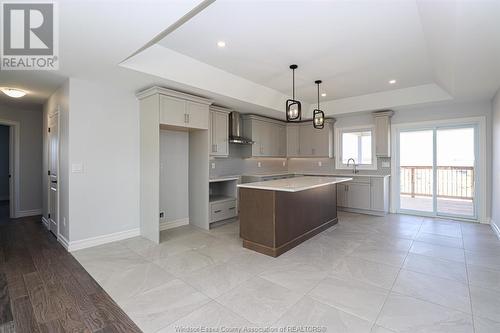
(354, 170)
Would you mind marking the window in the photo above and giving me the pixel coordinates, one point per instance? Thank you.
(358, 144)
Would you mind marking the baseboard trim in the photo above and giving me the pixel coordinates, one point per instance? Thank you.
(104, 239)
(173, 224)
(496, 229)
(63, 241)
(26, 213)
(45, 222)
(362, 211)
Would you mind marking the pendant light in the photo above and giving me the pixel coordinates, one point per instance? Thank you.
(318, 115)
(293, 107)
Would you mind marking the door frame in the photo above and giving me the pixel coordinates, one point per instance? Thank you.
(481, 176)
(14, 140)
(56, 114)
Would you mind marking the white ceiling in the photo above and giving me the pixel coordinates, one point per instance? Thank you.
(445, 49)
(355, 47)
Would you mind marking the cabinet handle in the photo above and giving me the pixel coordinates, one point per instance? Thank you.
(217, 211)
(185, 118)
(214, 148)
(232, 208)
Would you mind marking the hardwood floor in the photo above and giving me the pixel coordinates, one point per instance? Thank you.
(44, 289)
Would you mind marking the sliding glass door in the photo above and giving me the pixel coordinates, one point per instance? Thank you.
(437, 171)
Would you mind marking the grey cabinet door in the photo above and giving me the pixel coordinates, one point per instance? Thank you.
(173, 111)
(358, 195)
(341, 195)
(292, 140)
(306, 140)
(379, 194)
(382, 136)
(219, 133)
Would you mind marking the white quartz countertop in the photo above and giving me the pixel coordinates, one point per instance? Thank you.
(223, 179)
(295, 184)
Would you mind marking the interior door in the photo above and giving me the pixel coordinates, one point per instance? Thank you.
(53, 139)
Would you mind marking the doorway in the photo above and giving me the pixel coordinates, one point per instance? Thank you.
(438, 174)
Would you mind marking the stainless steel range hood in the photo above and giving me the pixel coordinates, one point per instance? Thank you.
(236, 130)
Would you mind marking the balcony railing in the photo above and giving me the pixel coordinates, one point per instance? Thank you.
(455, 182)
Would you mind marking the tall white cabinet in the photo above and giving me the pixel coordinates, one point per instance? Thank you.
(162, 108)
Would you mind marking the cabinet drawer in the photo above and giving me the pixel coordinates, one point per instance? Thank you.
(222, 210)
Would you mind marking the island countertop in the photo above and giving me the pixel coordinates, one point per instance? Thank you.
(295, 184)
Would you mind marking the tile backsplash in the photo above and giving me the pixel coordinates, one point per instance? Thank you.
(239, 166)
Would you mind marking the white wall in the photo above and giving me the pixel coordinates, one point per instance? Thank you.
(495, 193)
(174, 173)
(30, 149)
(104, 139)
(4, 162)
(58, 101)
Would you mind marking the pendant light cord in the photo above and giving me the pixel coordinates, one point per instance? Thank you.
(293, 83)
(318, 97)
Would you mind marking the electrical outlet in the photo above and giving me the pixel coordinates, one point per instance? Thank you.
(64, 221)
(284, 163)
(320, 163)
(386, 164)
(162, 215)
(213, 165)
(259, 164)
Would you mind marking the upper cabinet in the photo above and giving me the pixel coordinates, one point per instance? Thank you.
(219, 131)
(383, 133)
(269, 136)
(306, 141)
(177, 109)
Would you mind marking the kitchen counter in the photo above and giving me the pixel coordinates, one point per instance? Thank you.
(277, 215)
(295, 184)
(312, 173)
(337, 174)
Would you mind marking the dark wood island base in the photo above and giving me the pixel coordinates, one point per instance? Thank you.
(273, 222)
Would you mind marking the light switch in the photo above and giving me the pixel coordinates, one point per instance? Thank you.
(77, 168)
(320, 163)
(213, 165)
(259, 164)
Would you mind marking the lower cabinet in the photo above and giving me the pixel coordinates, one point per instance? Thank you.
(366, 194)
(354, 195)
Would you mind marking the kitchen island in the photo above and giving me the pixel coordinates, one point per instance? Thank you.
(277, 215)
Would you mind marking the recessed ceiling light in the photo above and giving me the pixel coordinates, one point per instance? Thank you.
(323, 94)
(15, 93)
(221, 43)
(392, 81)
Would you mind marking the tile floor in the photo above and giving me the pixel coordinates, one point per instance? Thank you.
(368, 274)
